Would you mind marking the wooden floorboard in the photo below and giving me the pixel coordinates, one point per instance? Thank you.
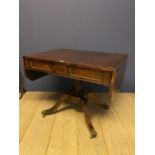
(125, 114)
(28, 106)
(116, 138)
(66, 133)
(37, 136)
(95, 146)
(63, 140)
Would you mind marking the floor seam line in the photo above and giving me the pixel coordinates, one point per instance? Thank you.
(102, 132)
(30, 122)
(50, 137)
(77, 132)
(122, 124)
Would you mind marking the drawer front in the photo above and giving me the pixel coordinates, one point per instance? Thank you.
(44, 66)
(49, 67)
(87, 74)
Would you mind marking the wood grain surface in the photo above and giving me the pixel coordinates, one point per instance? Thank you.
(66, 133)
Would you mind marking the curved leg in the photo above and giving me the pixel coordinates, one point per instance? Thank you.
(94, 98)
(88, 121)
(62, 98)
(22, 94)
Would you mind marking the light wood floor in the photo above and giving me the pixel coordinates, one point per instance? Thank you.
(66, 133)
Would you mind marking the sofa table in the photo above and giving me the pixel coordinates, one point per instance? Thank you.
(96, 67)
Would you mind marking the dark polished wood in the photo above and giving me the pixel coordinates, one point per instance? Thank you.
(79, 96)
(22, 90)
(95, 67)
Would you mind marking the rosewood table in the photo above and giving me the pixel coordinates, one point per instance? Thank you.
(95, 67)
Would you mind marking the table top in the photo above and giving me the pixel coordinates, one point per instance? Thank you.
(80, 57)
(91, 66)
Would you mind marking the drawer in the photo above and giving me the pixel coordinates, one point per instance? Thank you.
(87, 74)
(49, 67)
(39, 65)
